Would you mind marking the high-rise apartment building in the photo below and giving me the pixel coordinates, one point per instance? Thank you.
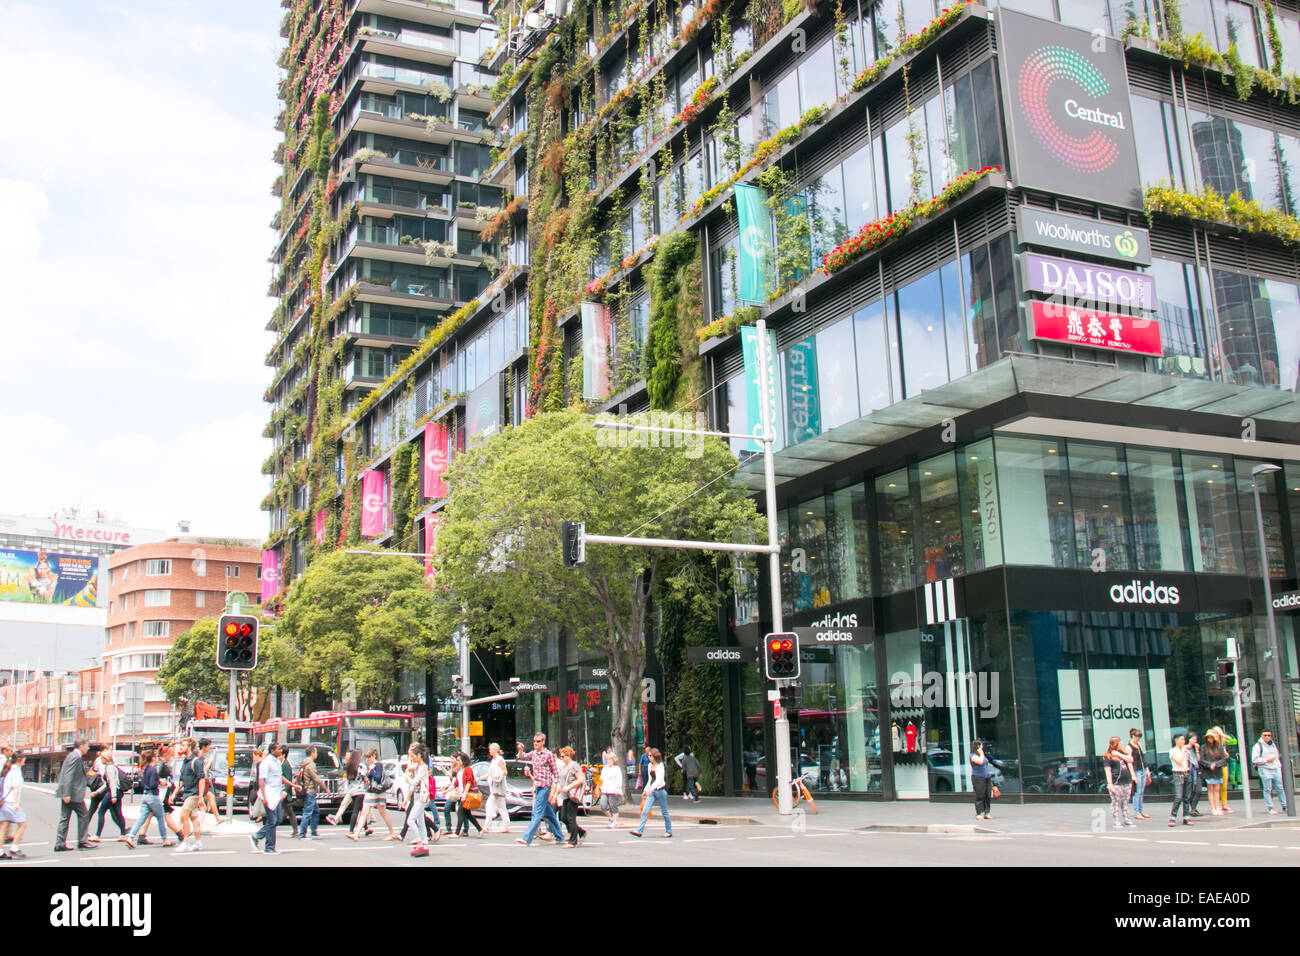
(1027, 365)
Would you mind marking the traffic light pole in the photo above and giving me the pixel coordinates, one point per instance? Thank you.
(781, 720)
(230, 755)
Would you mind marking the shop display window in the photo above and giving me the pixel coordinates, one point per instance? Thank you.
(1030, 473)
(942, 555)
(848, 544)
(895, 533)
(906, 734)
(1099, 507)
(809, 566)
(981, 511)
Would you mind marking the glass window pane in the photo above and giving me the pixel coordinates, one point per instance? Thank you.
(1179, 313)
(1211, 507)
(1257, 169)
(1234, 297)
(817, 79)
(837, 376)
(920, 320)
(963, 138)
(894, 533)
(1039, 8)
(1030, 473)
(985, 89)
(1293, 501)
(941, 544)
(1010, 336)
(939, 169)
(1277, 323)
(873, 374)
(859, 203)
(1086, 15)
(799, 374)
(980, 509)
(1289, 170)
(1236, 25)
(808, 562)
(1157, 526)
(1100, 509)
(981, 317)
(1250, 523)
(848, 544)
(825, 199)
(1217, 146)
(954, 323)
(1153, 146)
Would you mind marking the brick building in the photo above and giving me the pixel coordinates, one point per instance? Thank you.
(155, 592)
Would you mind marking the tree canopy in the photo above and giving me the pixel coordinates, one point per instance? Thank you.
(357, 618)
(189, 671)
(500, 571)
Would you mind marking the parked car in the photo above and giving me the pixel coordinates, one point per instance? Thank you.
(519, 788)
(243, 771)
(396, 768)
(939, 761)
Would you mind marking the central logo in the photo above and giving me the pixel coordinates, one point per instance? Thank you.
(1093, 153)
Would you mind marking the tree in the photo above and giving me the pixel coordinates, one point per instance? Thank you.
(499, 565)
(356, 621)
(189, 672)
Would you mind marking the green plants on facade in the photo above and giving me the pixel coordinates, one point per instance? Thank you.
(664, 346)
(1211, 206)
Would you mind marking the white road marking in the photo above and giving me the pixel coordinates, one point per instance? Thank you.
(711, 840)
(9, 863)
(116, 856)
(1184, 842)
(1067, 836)
(815, 835)
(1127, 839)
(215, 852)
(786, 837)
(1250, 846)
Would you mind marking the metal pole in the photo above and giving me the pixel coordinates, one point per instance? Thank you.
(1285, 718)
(230, 756)
(1241, 734)
(681, 544)
(464, 697)
(782, 722)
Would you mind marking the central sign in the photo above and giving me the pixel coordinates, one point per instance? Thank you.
(1068, 105)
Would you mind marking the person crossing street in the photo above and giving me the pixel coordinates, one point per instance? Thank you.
(541, 769)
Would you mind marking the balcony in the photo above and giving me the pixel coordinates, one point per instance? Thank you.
(412, 45)
(413, 199)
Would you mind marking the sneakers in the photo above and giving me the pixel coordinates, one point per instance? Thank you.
(198, 845)
(1272, 811)
(637, 834)
(420, 851)
(130, 844)
(183, 848)
(1173, 822)
(271, 852)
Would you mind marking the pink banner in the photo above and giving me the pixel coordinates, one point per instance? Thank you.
(374, 496)
(270, 575)
(431, 525)
(435, 461)
(321, 517)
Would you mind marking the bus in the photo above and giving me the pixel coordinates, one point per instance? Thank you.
(342, 731)
(218, 730)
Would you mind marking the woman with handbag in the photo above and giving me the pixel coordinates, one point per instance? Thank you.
(1118, 767)
(415, 796)
(981, 772)
(1213, 759)
(375, 799)
(569, 784)
(470, 797)
(111, 796)
(354, 789)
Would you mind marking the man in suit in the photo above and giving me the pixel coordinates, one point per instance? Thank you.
(72, 791)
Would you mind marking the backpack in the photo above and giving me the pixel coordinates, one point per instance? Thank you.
(190, 776)
(385, 781)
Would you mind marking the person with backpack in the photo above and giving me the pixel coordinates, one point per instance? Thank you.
(150, 801)
(111, 797)
(378, 783)
(354, 790)
(194, 784)
(690, 767)
(311, 783)
(1265, 759)
(13, 821)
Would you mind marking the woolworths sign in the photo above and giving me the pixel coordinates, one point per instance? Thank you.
(1084, 236)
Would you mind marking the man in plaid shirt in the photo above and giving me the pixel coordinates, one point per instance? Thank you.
(541, 768)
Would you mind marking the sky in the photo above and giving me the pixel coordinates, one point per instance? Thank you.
(135, 173)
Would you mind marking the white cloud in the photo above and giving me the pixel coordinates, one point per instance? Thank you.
(136, 184)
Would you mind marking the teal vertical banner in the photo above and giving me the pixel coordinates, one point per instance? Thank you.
(802, 402)
(749, 351)
(797, 208)
(754, 260)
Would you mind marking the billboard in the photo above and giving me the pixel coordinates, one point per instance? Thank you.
(1092, 237)
(44, 577)
(1099, 330)
(483, 408)
(1085, 282)
(1067, 106)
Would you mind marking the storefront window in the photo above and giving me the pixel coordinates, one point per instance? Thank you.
(980, 509)
(1099, 506)
(838, 722)
(1268, 501)
(941, 544)
(906, 735)
(1178, 295)
(1211, 507)
(1030, 475)
(808, 559)
(873, 372)
(920, 321)
(1157, 529)
(894, 533)
(848, 544)
(788, 586)
(802, 399)
(1292, 478)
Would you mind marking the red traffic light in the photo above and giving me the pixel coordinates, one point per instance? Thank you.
(776, 646)
(787, 645)
(231, 628)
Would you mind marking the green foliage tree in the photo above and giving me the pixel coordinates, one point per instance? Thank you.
(352, 623)
(499, 564)
(189, 672)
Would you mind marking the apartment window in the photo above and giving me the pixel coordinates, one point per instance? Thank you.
(156, 628)
(158, 567)
(157, 598)
(200, 598)
(232, 570)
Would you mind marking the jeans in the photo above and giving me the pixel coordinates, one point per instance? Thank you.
(692, 791)
(310, 819)
(1194, 787)
(1182, 795)
(114, 807)
(1139, 788)
(273, 818)
(653, 798)
(150, 804)
(416, 820)
(1270, 780)
(542, 810)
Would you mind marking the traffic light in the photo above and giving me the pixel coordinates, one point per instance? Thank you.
(1225, 674)
(781, 656)
(237, 642)
(573, 543)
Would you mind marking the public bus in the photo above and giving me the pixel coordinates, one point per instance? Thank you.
(218, 730)
(342, 731)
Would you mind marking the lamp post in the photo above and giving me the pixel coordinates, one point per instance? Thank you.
(1286, 719)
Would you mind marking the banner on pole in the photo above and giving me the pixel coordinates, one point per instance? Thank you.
(749, 346)
(755, 246)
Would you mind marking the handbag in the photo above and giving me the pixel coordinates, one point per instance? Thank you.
(472, 800)
(995, 793)
(258, 810)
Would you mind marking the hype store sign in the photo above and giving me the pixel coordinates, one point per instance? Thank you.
(1057, 322)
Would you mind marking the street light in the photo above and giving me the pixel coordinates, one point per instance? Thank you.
(1285, 718)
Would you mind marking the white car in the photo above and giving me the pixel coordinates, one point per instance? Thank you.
(396, 769)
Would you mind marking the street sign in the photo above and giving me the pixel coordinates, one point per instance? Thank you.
(133, 706)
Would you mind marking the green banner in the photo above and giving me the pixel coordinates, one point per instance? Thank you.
(754, 409)
(801, 398)
(755, 256)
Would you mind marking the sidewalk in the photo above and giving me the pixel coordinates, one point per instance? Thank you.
(921, 816)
